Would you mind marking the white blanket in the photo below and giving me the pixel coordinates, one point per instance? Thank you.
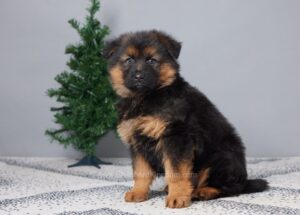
(48, 186)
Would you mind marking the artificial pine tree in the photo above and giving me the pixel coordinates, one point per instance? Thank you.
(88, 100)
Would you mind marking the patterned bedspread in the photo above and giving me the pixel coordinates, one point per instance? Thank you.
(47, 186)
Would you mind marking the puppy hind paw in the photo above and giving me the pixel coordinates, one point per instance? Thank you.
(206, 193)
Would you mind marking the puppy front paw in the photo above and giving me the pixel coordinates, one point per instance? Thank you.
(173, 201)
(135, 196)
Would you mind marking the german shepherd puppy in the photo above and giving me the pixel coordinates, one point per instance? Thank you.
(172, 128)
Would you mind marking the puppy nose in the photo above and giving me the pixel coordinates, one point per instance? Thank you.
(138, 76)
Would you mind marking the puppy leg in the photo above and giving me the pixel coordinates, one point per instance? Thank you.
(179, 184)
(178, 155)
(206, 193)
(203, 191)
(226, 176)
(143, 176)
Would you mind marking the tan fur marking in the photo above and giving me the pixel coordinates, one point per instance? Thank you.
(207, 193)
(149, 50)
(143, 176)
(179, 184)
(132, 51)
(126, 130)
(117, 81)
(203, 176)
(159, 145)
(167, 75)
(151, 126)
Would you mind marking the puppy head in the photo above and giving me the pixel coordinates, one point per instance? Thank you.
(141, 62)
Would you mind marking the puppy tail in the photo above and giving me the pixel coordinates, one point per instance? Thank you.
(255, 185)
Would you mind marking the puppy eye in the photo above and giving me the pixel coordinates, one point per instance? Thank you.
(151, 61)
(129, 60)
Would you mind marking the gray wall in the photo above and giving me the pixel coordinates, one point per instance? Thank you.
(243, 54)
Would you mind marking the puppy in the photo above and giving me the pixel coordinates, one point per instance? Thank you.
(172, 128)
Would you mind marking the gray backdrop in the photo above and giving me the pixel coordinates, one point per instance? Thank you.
(244, 55)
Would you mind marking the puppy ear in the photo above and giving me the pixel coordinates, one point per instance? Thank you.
(110, 48)
(172, 45)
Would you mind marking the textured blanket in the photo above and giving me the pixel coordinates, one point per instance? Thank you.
(47, 186)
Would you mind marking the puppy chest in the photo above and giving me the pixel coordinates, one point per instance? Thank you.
(150, 126)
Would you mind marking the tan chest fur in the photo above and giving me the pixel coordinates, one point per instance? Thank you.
(151, 126)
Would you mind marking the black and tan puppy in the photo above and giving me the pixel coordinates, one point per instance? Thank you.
(172, 128)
